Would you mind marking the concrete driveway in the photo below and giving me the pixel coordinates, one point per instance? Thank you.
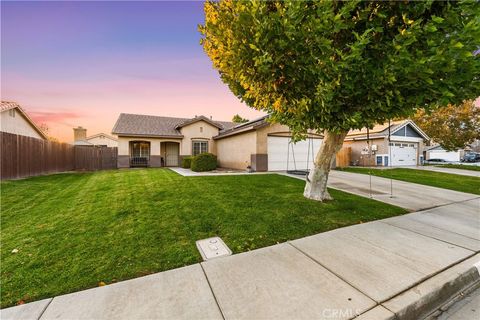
(407, 195)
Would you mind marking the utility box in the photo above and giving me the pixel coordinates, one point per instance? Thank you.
(212, 248)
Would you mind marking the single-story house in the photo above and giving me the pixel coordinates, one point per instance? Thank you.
(13, 119)
(155, 141)
(100, 139)
(437, 152)
(404, 148)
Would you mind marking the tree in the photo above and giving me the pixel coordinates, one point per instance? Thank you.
(46, 129)
(238, 119)
(333, 66)
(453, 127)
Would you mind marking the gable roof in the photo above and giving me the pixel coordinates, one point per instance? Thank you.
(381, 130)
(102, 134)
(156, 126)
(199, 118)
(242, 127)
(8, 105)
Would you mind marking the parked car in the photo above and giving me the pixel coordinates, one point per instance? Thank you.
(471, 157)
(434, 161)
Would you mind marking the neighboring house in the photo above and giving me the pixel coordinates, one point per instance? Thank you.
(100, 139)
(405, 147)
(13, 119)
(437, 152)
(163, 141)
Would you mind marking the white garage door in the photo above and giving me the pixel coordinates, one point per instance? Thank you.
(404, 154)
(445, 155)
(279, 153)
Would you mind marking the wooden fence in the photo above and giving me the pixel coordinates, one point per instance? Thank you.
(343, 157)
(23, 156)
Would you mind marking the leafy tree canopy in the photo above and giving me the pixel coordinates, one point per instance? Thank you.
(340, 65)
(453, 127)
(238, 119)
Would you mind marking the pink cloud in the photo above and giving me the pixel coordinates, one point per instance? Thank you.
(53, 116)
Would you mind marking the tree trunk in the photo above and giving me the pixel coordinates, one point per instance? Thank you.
(316, 186)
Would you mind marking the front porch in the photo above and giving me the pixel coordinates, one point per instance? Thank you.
(149, 153)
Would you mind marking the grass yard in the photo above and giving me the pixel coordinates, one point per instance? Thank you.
(73, 231)
(460, 166)
(430, 178)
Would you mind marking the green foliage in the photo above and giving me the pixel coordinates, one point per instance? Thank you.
(340, 65)
(238, 119)
(204, 162)
(187, 162)
(453, 127)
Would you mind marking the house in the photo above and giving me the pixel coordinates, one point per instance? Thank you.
(100, 139)
(13, 119)
(155, 141)
(400, 144)
(437, 152)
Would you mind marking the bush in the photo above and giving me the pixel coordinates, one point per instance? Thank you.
(187, 162)
(204, 162)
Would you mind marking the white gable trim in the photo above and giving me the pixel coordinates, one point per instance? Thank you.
(414, 126)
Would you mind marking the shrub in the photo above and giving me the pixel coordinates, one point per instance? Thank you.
(187, 162)
(204, 162)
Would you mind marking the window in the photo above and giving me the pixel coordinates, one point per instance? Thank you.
(11, 113)
(199, 147)
(385, 161)
(379, 160)
(201, 129)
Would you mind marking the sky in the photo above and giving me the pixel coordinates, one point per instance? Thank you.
(74, 64)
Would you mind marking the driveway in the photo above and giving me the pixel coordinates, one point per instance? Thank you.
(407, 195)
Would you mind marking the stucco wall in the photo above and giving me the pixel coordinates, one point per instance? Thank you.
(193, 132)
(103, 141)
(358, 146)
(17, 125)
(235, 151)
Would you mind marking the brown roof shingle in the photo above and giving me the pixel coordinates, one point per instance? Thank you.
(156, 126)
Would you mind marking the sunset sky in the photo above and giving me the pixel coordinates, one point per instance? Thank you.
(83, 63)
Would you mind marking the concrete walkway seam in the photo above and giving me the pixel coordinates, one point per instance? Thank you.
(213, 293)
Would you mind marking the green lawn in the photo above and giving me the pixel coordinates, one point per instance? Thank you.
(460, 166)
(75, 230)
(429, 178)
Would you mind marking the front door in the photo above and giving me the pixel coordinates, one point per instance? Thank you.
(171, 154)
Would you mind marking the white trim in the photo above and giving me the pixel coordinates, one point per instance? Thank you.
(406, 139)
(410, 122)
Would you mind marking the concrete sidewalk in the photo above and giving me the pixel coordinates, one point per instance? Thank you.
(461, 172)
(399, 266)
(407, 195)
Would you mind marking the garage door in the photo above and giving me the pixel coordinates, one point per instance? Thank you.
(445, 155)
(279, 155)
(404, 154)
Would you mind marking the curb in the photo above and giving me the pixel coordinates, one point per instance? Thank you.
(425, 299)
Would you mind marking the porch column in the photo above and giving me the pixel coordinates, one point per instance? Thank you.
(155, 155)
(123, 158)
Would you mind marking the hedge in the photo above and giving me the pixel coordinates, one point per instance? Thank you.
(187, 162)
(204, 162)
